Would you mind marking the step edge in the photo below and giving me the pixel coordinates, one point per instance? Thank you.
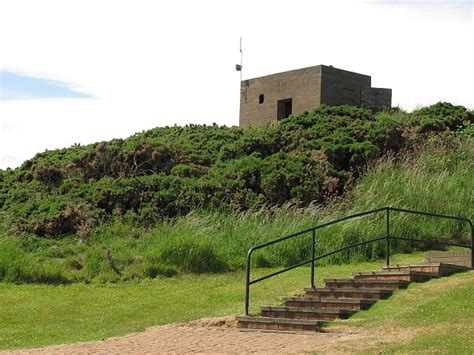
(357, 290)
(349, 300)
(308, 310)
(330, 300)
(435, 264)
(271, 320)
(365, 281)
(396, 273)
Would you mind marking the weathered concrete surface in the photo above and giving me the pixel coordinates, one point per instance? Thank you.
(307, 89)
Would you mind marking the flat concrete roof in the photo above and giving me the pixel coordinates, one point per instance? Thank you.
(306, 68)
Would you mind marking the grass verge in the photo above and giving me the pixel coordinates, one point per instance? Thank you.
(435, 317)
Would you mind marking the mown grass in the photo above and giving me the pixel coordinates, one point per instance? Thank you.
(438, 178)
(40, 315)
(439, 313)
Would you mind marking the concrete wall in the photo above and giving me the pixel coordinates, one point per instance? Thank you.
(302, 85)
(308, 88)
(376, 99)
(342, 87)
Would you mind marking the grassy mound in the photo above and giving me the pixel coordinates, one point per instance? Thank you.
(436, 177)
(168, 172)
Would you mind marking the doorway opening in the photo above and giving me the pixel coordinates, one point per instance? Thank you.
(285, 108)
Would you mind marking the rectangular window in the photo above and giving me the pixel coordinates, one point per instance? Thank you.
(261, 99)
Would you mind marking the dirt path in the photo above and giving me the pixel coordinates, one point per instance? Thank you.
(217, 335)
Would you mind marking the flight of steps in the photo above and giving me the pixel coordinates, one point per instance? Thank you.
(343, 297)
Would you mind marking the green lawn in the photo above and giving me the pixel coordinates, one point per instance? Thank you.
(40, 315)
(440, 312)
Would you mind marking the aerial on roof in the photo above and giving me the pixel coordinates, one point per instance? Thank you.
(273, 97)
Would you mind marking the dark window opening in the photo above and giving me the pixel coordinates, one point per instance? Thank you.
(285, 108)
(261, 99)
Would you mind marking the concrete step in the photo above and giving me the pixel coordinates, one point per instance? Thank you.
(453, 257)
(441, 269)
(405, 275)
(356, 283)
(306, 313)
(365, 293)
(354, 304)
(266, 323)
(342, 297)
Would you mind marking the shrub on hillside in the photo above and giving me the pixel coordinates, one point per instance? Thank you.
(167, 172)
(442, 116)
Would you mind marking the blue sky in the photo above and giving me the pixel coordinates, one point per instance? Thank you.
(15, 86)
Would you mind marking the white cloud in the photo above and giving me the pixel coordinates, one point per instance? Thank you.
(153, 63)
(16, 86)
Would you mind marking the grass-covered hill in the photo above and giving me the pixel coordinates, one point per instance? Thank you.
(168, 172)
(195, 198)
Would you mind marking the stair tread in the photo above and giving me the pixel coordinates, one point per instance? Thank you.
(331, 300)
(388, 282)
(397, 272)
(308, 310)
(452, 266)
(357, 290)
(257, 319)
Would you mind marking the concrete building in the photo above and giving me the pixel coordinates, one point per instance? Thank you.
(274, 97)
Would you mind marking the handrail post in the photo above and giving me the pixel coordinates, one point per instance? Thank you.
(247, 283)
(313, 255)
(387, 236)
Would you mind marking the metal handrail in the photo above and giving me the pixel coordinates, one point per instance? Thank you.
(387, 239)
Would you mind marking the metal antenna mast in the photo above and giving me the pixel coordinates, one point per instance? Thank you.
(238, 67)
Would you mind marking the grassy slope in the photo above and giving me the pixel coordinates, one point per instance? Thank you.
(435, 179)
(40, 315)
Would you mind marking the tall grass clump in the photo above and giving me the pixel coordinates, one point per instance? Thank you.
(190, 255)
(19, 267)
(438, 177)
